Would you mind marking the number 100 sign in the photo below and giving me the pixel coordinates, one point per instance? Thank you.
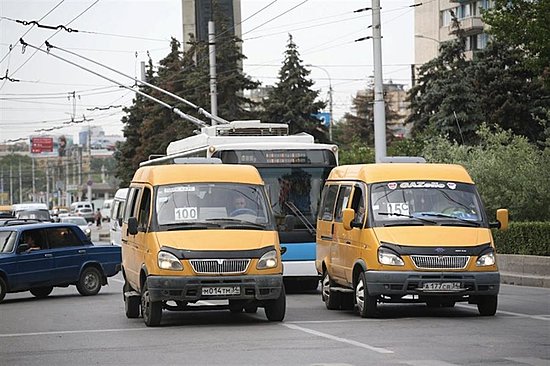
(186, 213)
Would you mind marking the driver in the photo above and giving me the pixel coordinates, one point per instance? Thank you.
(239, 205)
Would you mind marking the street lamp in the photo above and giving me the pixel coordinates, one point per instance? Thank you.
(329, 99)
(426, 37)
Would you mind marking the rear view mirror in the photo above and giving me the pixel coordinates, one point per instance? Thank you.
(502, 218)
(347, 217)
(132, 226)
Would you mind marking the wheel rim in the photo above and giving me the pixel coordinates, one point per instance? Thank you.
(91, 281)
(145, 305)
(360, 294)
(326, 287)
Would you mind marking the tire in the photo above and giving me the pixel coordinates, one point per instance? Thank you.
(3, 289)
(275, 309)
(151, 310)
(236, 307)
(90, 281)
(251, 309)
(41, 292)
(487, 305)
(332, 299)
(366, 304)
(132, 303)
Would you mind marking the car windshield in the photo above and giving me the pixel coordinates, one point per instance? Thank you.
(36, 215)
(212, 203)
(424, 203)
(74, 220)
(7, 241)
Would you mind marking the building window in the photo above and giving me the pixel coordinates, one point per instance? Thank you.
(464, 11)
(446, 18)
(482, 40)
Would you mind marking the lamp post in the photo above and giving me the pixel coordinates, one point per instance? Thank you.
(329, 99)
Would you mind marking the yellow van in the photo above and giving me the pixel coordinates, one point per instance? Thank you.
(195, 232)
(405, 233)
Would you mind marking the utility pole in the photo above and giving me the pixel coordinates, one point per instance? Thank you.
(213, 82)
(379, 108)
(11, 185)
(33, 184)
(20, 184)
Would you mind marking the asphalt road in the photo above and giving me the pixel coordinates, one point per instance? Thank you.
(68, 329)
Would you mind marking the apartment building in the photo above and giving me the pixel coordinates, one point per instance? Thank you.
(433, 21)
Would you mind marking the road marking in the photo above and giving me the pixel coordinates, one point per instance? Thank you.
(337, 321)
(62, 332)
(428, 363)
(338, 339)
(536, 317)
(529, 361)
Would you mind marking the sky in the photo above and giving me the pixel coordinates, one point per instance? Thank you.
(50, 93)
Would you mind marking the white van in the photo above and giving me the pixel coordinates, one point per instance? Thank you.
(117, 211)
(33, 211)
(106, 210)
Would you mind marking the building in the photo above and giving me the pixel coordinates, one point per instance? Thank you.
(433, 20)
(197, 13)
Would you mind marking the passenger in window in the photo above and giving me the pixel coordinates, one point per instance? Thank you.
(30, 241)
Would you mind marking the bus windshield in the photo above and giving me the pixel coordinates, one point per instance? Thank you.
(420, 203)
(291, 188)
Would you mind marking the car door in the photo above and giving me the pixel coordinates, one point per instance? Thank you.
(143, 217)
(325, 225)
(129, 258)
(354, 242)
(34, 268)
(69, 253)
(341, 237)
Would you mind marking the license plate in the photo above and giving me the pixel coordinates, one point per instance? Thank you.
(221, 291)
(441, 286)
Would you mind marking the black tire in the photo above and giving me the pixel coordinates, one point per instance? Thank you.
(236, 307)
(3, 289)
(487, 305)
(41, 292)
(366, 304)
(251, 309)
(90, 281)
(132, 303)
(332, 299)
(151, 310)
(275, 309)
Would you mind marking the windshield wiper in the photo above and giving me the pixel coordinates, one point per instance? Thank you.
(473, 223)
(238, 222)
(409, 216)
(189, 225)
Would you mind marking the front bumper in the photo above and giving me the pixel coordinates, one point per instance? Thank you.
(164, 288)
(410, 283)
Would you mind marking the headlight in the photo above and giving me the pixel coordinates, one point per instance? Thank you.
(386, 256)
(169, 261)
(268, 260)
(487, 259)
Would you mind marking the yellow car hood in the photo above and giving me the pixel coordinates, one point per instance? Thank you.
(433, 235)
(217, 239)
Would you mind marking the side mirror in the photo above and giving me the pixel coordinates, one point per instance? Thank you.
(120, 221)
(502, 218)
(347, 217)
(132, 226)
(22, 248)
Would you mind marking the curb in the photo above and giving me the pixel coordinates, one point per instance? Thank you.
(524, 270)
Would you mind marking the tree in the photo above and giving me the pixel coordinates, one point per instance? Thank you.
(292, 100)
(525, 25)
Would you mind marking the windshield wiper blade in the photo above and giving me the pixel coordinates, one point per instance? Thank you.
(409, 216)
(190, 225)
(473, 223)
(237, 221)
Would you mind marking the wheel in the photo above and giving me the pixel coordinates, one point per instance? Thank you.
(487, 305)
(332, 299)
(236, 307)
(131, 303)
(251, 309)
(366, 304)
(151, 310)
(242, 211)
(275, 309)
(41, 292)
(90, 281)
(3, 289)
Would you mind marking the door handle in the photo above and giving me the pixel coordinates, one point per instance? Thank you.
(82, 251)
(323, 237)
(49, 255)
(348, 242)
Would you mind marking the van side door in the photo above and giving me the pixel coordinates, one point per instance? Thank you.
(325, 226)
(131, 268)
(143, 211)
(356, 237)
(341, 238)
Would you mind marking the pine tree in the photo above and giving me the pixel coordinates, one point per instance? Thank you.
(292, 100)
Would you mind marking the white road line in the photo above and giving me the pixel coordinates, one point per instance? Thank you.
(62, 332)
(428, 363)
(338, 339)
(536, 317)
(337, 321)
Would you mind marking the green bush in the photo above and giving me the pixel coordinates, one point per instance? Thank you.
(527, 238)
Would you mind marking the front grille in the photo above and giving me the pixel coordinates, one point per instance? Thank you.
(220, 266)
(440, 261)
